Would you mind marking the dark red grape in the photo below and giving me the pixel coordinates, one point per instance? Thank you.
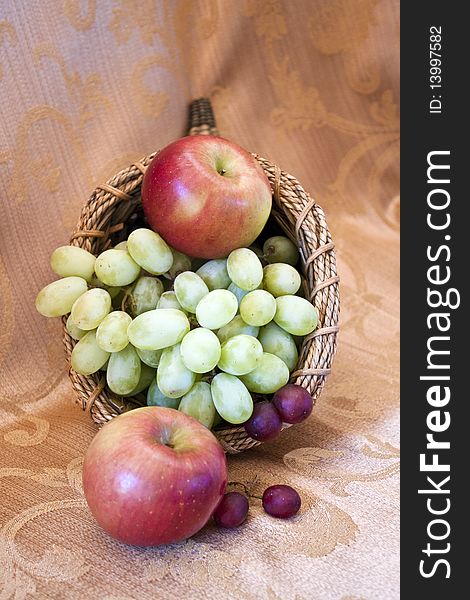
(232, 510)
(281, 501)
(293, 403)
(265, 423)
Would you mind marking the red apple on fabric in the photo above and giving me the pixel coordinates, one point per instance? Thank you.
(206, 196)
(153, 476)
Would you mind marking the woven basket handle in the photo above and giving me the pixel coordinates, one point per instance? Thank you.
(201, 118)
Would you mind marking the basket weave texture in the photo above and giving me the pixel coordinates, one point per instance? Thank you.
(110, 210)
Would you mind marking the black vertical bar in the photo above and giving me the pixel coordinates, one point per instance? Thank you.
(434, 272)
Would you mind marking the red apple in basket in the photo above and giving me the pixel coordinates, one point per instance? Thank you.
(153, 476)
(206, 196)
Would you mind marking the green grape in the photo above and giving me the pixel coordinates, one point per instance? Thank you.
(150, 251)
(281, 279)
(147, 376)
(277, 341)
(169, 300)
(259, 253)
(74, 332)
(245, 269)
(72, 261)
(189, 290)
(105, 366)
(197, 403)
(258, 308)
(238, 292)
(173, 377)
(216, 309)
(57, 298)
(270, 375)
(116, 268)
(215, 274)
(144, 295)
(236, 326)
(121, 246)
(181, 263)
(158, 328)
(112, 291)
(111, 334)
(200, 350)
(279, 249)
(296, 315)
(231, 398)
(150, 357)
(156, 398)
(91, 308)
(87, 357)
(240, 354)
(124, 369)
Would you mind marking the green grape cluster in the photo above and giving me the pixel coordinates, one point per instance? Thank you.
(201, 341)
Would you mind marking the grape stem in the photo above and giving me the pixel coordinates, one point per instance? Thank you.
(248, 489)
(124, 300)
(208, 377)
(193, 321)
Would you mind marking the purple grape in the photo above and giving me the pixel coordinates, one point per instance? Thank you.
(232, 510)
(293, 403)
(265, 423)
(281, 501)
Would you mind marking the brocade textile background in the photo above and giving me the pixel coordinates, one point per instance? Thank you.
(86, 88)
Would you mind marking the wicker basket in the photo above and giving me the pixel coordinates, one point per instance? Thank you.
(114, 208)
